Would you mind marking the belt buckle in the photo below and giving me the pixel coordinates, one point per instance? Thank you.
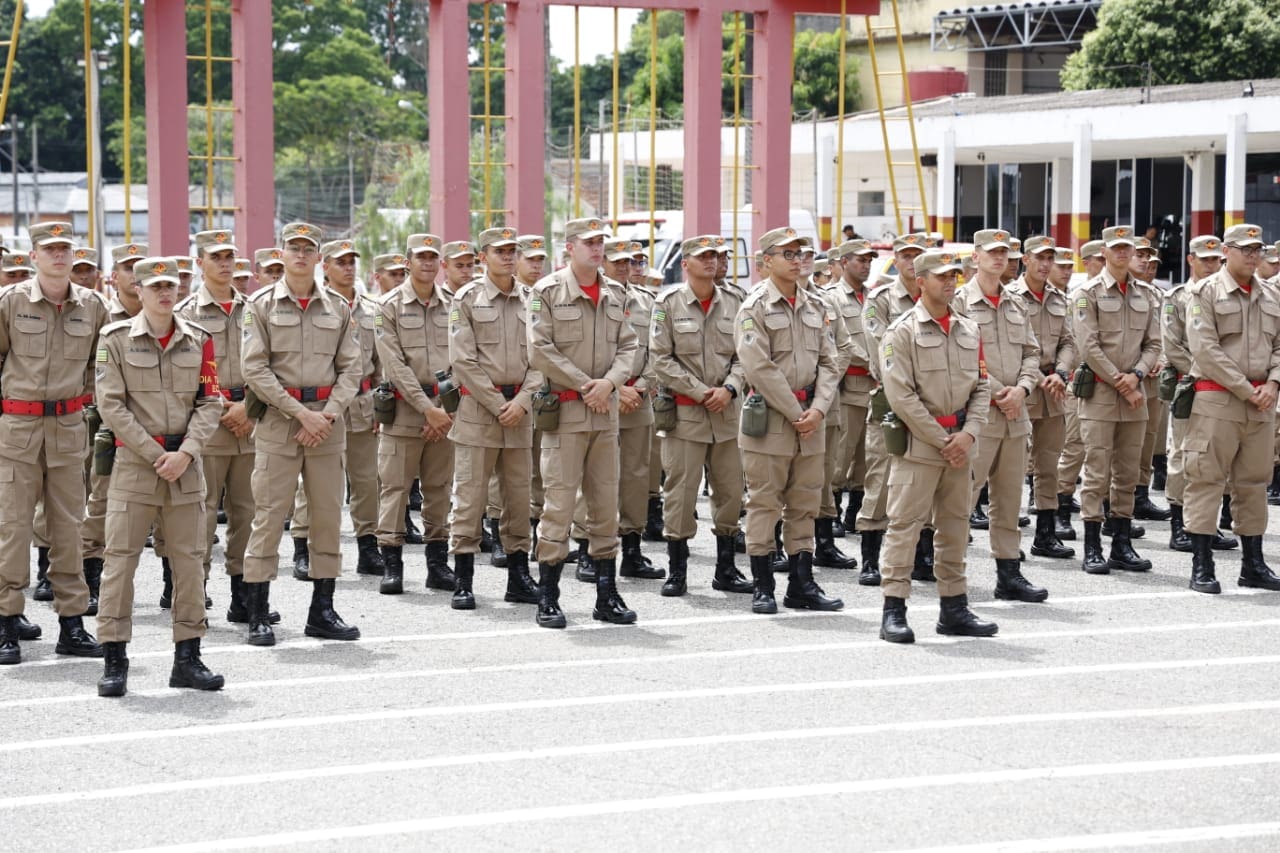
(308, 395)
(52, 408)
(508, 391)
(235, 395)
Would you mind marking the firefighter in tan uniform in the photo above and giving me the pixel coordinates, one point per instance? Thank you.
(582, 343)
(1143, 268)
(931, 367)
(389, 272)
(412, 331)
(694, 360)
(643, 276)
(302, 358)
(493, 430)
(47, 331)
(16, 267)
(268, 266)
(1116, 333)
(158, 392)
(1072, 459)
(84, 268)
(1011, 357)
(788, 353)
(531, 257)
(1233, 332)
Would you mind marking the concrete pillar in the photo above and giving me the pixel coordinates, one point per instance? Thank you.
(945, 215)
(165, 34)
(1237, 150)
(703, 47)
(254, 126)
(449, 108)
(1081, 178)
(526, 142)
(771, 96)
(1059, 202)
(1202, 187)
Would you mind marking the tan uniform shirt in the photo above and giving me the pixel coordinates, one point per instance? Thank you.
(692, 353)
(1010, 352)
(844, 345)
(639, 308)
(1173, 332)
(1047, 320)
(856, 387)
(1234, 338)
(928, 374)
(364, 315)
(287, 347)
(146, 391)
(573, 340)
(883, 305)
(785, 349)
(116, 310)
(488, 349)
(227, 331)
(1116, 333)
(413, 343)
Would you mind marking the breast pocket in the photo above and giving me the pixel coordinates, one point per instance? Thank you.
(812, 324)
(1056, 320)
(186, 371)
(216, 326)
(1139, 313)
(327, 330)
(286, 331)
(1017, 324)
(1110, 317)
(616, 317)
(31, 336)
(778, 327)
(485, 324)
(77, 341)
(568, 323)
(724, 338)
(1270, 318)
(930, 353)
(1230, 318)
(968, 345)
(142, 370)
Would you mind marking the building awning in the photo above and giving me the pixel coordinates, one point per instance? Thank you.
(1013, 26)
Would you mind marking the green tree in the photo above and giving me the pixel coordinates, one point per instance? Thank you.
(1170, 41)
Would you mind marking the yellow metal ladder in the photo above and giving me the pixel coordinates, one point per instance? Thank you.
(897, 166)
(10, 46)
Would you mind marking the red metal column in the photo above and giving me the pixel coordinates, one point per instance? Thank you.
(771, 110)
(703, 46)
(526, 130)
(449, 108)
(254, 129)
(165, 35)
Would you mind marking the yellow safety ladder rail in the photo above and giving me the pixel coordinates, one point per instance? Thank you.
(485, 213)
(736, 77)
(11, 47)
(914, 163)
(209, 108)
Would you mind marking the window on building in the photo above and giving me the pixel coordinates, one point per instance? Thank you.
(871, 203)
(996, 73)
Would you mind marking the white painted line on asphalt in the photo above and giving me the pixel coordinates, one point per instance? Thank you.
(88, 695)
(746, 795)
(652, 745)
(679, 622)
(100, 739)
(1112, 840)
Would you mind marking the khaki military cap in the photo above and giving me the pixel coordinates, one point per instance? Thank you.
(268, 257)
(698, 245)
(856, 247)
(532, 245)
(339, 248)
(422, 243)
(1243, 235)
(1272, 253)
(50, 233)
(821, 265)
(758, 257)
(458, 248)
(215, 241)
(128, 252)
(1118, 235)
(498, 237)
(18, 261)
(243, 268)
(779, 237)
(84, 255)
(914, 240)
(585, 229)
(992, 238)
(934, 240)
(1092, 249)
(1015, 249)
(806, 246)
(617, 250)
(1206, 246)
(1038, 244)
(722, 245)
(149, 271)
(392, 261)
(302, 231)
(1142, 244)
(186, 265)
(1065, 257)
(938, 262)
(637, 249)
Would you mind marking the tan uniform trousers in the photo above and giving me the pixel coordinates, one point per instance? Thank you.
(1001, 463)
(917, 492)
(781, 487)
(40, 533)
(1047, 437)
(22, 485)
(234, 474)
(1156, 420)
(537, 494)
(830, 464)
(1218, 454)
(1072, 459)
(275, 479)
(683, 461)
(851, 466)
(655, 465)
(127, 526)
(875, 503)
(401, 459)
(93, 533)
(495, 498)
(1177, 480)
(1110, 463)
(571, 460)
(634, 451)
(471, 488)
(362, 479)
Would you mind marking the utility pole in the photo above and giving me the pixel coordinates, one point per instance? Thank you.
(13, 164)
(35, 171)
(600, 138)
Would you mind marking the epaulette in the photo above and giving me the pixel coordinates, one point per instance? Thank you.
(116, 326)
(875, 291)
(665, 295)
(181, 306)
(466, 289)
(194, 325)
(757, 293)
(901, 318)
(259, 295)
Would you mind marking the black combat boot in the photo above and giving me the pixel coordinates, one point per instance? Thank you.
(415, 496)
(239, 610)
(893, 623)
(301, 560)
(464, 571)
(549, 614)
(1094, 562)
(871, 542)
(74, 640)
(257, 597)
(1159, 471)
(955, 619)
(739, 541)
(520, 586)
(370, 561)
(1223, 541)
(923, 570)
(10, 651)
(851, 511)
(803, 592)
(1178, 538)
(27, 630)
(189, 670)
(1203, 578)
(727, 578)
(762, 600)
(978, 518)
(438, 574)
(1062, 520)
(1136, 531)
(1273, 490)
(586, 571)
(1144, 509)
(1225, 520)
(322, 620)
(609, 604)
(44, 589)
(778, 556)
(1012, 586)
(498, 556)
(678, 567)
(412, 535)
(392, 570)
(635, 564)
(1122, 554)
(115, 671)
(1046, 544)
(93, 579)
(486, 536)
(825, 553)
(1254, 571)
(653, 520)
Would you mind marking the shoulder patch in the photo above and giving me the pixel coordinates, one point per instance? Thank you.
(1082, 302)
(748, 324)
(248, 318)
(535, 304)
(659, 315)
(102, 354)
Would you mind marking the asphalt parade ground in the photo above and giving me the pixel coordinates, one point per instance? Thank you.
(1125, 713)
